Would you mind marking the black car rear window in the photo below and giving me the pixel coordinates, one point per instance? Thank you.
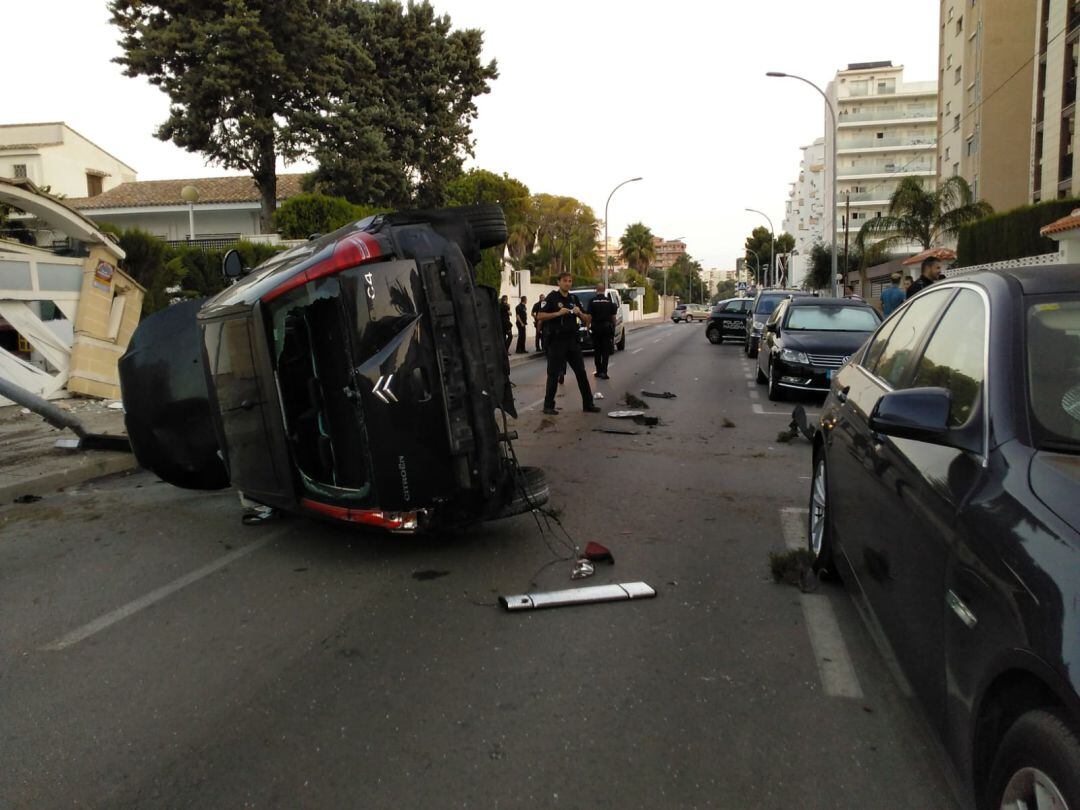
(1053, 357)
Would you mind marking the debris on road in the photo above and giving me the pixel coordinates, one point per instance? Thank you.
(625, 414)
(665, 395)
(595, 552)
(617, 432)
(598, 395)
(429, 574)
(800, 424)
(727, 423)
(578, 596)
(582, 569)
(635, 402)
(28, 499)
(545, 423)
(649, 421)
(794, 567)
(785, 436)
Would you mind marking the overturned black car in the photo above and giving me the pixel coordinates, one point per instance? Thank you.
(359, 377)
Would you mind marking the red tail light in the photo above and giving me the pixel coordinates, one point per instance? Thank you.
(354, 249)
(394, 521)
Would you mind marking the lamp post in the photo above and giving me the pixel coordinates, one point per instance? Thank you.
(190, 195)
(606, 242)
(835, 168)
(772, 242)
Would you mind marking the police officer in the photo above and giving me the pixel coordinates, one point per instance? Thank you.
(602, 313)
(931, 271)
(560, 315)
(521, 313)
(538, 340)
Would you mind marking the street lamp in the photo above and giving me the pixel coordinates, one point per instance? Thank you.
(835, 168)
(190, 195)
(606, 243)
(772, 242)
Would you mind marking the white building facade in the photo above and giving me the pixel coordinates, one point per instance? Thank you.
(804, 210)
(886, 131)
(54, 155)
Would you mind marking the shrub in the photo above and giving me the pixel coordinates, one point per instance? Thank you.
(301, 216)
(651, 302)
(1012, 234)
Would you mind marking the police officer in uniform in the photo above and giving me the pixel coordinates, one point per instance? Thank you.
(602, 314)
(560, 315)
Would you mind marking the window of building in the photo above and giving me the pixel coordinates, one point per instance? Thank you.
(948, 108)
(947, 153)
(956, 169)
(960, 24)
(956, 123)
(859, 88)
(18, 170)
(886, 86)
(972, 146)
(950, 13)
(948, 61)
(93, 184)
(958, 74)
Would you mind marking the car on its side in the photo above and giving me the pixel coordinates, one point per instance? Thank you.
(586, 296)
(765, 301)
(727, 321)
(807, 339)
(689, 313)
(946, 493)
(359, 377)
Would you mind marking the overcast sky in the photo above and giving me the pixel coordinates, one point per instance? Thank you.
(590, 93)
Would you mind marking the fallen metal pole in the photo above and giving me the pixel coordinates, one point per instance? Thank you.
(578, 596)
(57, 417)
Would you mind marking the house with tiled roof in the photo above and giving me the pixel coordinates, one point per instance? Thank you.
(224, 208)
(55, 156)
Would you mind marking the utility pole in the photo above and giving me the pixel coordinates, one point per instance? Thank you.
(847, 228)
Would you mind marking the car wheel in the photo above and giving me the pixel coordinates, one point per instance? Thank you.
(689, 318)
(819, 533)
(621, 345)
(776, 393)
(488, 223)
(1037, 764)
(713, 334)
(530, 491)
(761, 378)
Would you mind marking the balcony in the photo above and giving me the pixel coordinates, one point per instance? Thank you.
(859, 144)
(871, 170)
(929, 113)
(880, 196)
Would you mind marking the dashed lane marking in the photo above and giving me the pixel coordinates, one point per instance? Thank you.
(635, 351)
(834, 665)
(155, 596)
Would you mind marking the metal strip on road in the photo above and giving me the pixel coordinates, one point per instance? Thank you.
(131, 608)
(834, 665)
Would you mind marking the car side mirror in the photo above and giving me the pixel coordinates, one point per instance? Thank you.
(232, 266)
(923, 414)
(773, 327)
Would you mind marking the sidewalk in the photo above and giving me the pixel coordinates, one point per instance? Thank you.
(31, 464)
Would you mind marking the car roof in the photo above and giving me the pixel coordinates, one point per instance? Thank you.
(836, 303)
(785, 293)
(1034, 279)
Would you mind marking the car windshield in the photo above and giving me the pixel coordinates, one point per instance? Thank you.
(831, 319)
(1053, 355)
(765, 306)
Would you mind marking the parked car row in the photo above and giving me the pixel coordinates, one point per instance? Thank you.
(689, 313)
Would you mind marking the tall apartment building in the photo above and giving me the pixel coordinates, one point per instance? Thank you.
(667, 252)
(1054, 100)
(803, 212)
(887, 130)
(980, 135)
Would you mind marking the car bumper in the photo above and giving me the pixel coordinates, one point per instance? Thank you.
(801, 377)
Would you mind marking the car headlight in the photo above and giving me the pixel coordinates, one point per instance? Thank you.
(792, 356)
(759, 325)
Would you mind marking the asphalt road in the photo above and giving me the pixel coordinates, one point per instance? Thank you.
(155, 653)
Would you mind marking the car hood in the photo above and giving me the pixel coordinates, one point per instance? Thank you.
(841, 343)
(1055, 480)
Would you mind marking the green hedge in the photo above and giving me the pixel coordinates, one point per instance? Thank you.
(305, 214)
(1012, 234)
(652, 300)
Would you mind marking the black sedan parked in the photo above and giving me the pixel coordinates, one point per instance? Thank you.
(727, 321)
(946, 490)
(807, 339)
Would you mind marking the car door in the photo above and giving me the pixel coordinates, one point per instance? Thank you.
(922, 488)
(855, 486)
(769, 338)
(733, 319)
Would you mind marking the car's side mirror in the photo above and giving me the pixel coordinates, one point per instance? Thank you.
(773, 327)
(232, 266)
(913, 413)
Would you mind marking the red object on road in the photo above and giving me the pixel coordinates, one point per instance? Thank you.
(595, 552)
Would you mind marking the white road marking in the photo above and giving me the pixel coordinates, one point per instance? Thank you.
(131, 608)
(635, 351)
(755, 394)
(534, 406)
(760, 411)
(659, 339)
(834, 665)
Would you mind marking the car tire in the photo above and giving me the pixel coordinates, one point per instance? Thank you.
(530, 491)
(714, 335)
(819, 532)
(1039, 749)
(761, 378)
(775, 392)
(488, 223)
(621, 345)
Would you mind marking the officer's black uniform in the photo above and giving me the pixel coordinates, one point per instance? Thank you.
(561, 344)
(603, 311)
(522, 313)
(538, 340)
(508, 328)
(917, 286)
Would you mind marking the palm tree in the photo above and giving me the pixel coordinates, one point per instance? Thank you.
(636, 247)
(925, 217)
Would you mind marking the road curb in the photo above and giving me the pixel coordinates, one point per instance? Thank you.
(84, 467)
